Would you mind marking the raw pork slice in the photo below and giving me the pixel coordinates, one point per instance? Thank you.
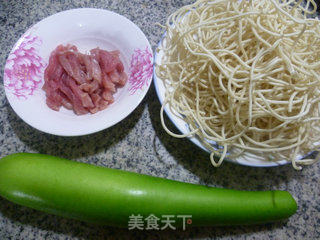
(82, 82)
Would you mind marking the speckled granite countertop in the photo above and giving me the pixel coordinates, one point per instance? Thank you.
(138, 144)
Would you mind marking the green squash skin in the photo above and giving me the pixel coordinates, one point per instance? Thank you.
(109, 196)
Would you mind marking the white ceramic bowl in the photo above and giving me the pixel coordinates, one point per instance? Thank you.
(86, 28)
(248, 159)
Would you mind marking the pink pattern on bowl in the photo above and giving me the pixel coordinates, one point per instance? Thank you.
(140, 69)
(23, 73)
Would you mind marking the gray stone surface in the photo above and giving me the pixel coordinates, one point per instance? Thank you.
(138, 144)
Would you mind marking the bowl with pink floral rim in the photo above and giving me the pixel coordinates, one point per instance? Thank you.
(86, 28)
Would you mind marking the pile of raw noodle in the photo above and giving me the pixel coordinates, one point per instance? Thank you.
(246, 74)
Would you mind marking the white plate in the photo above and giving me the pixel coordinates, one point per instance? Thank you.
(248, 159)
(86, 28)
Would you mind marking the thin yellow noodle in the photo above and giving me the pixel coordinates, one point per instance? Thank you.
(245, 74)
